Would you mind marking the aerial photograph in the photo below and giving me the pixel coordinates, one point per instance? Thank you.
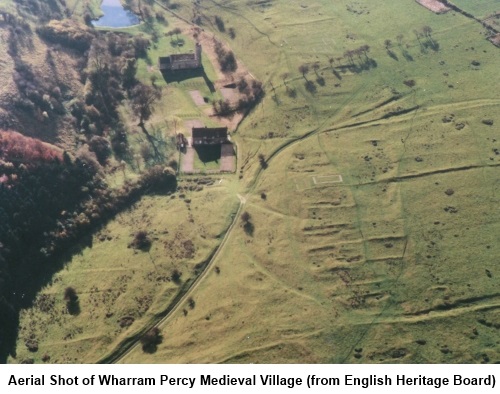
(249, 181)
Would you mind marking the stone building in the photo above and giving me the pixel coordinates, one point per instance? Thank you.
(182, 61)
(209, 136)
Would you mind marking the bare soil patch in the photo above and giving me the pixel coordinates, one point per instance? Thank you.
(227, 163)
(434, 5)
(495, 40)
(197, 97)
(230, 94)
(187, 160)
(192, 123)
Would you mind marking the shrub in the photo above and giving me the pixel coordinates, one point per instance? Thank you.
(70, 294)
(16, 147)
(159, 179)
(262, 161)
(410, 83)
(151, 340)
(71, 299)
(176, 276)
(101, 147)
(67, 33)
(141, 241)
(245, 216)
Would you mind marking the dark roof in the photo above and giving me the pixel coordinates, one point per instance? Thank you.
(164, 60)
(177, 58)
(209, 132)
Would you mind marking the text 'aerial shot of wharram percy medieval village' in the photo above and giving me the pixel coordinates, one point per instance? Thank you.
(250, 181)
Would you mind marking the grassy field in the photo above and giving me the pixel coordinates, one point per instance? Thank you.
(397, 262)
(394, 261)
(121, 289)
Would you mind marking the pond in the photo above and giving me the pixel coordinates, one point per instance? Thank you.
(115, 15)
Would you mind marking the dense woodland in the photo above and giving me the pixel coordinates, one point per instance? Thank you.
(50, 199)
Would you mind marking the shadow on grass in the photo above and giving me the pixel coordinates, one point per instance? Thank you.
(392, 55)
(73, 307)
(182, 75)
(208, 153)
(407, 56)
(310, 87)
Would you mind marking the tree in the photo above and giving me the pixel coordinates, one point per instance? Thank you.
(365, 49)
(141, 241)
(143, 99)
(128, 72)
(71, 298)
(245, 216)
(101, 147)
(141, 45)
(387, 44)
(70, 294)
(304, 69)
(400, 39)
(177, 31)
(151, 340)
(315, 67)
(285, 76)
(349, 54)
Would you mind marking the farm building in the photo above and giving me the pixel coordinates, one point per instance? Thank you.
(182, 61)
(209, 135)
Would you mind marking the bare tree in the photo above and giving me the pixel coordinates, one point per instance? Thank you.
(143, 99)
(400, 39)
(315, 67)
(365, 49)
(304, 69)
(285, 76)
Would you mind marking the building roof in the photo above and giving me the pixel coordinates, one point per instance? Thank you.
(182, 57)
(209, 132)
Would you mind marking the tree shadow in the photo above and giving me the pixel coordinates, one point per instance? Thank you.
(249, 228)
(433, 45)
(291, 92)
(73, 307)
(392, 55)
(310, 87)
(320, 81)
(407, 56)
(337, 75)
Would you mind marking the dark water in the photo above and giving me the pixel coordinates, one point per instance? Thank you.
(115, 15)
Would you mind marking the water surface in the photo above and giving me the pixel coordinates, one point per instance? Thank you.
(115, 15)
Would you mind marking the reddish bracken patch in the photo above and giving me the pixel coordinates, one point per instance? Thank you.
(15, 147)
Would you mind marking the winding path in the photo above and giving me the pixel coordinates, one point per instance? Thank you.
(129, 344)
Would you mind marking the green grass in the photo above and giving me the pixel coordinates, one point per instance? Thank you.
(479, 8)
(400, 259)
(207, 158)
(386, 258)
(114, 281)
